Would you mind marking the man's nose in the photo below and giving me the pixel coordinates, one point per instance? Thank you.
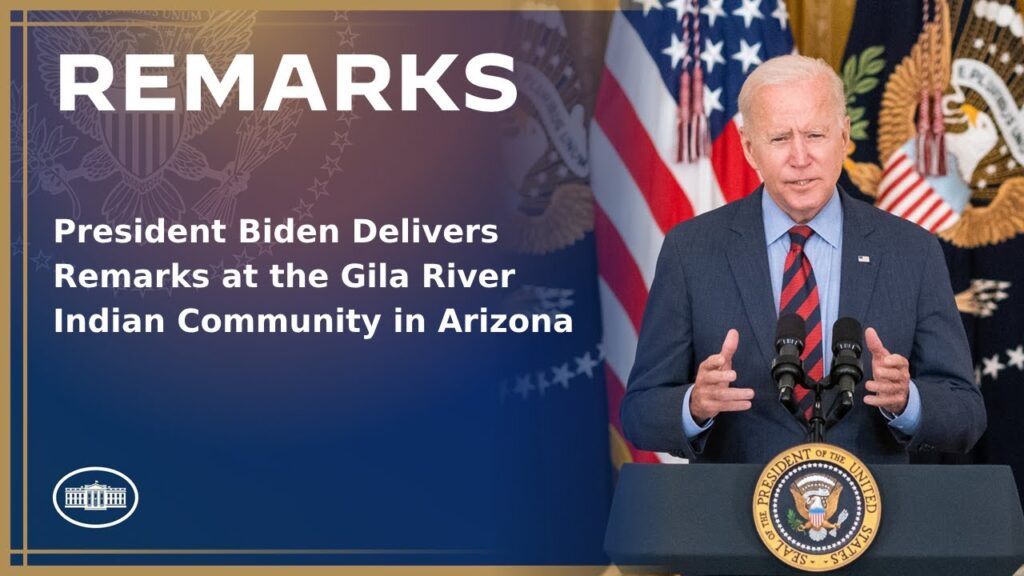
(799, 155)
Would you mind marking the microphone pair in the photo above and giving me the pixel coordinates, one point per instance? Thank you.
(788, 369)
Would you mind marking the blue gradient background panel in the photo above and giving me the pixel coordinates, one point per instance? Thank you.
(331, 449)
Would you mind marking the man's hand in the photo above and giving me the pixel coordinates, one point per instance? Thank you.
(891, 372)
(711, 393)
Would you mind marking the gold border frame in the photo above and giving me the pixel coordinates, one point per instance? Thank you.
(5, 327)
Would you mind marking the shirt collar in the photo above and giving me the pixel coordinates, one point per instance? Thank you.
(827, 223)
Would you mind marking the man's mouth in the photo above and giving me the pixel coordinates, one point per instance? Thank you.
(803, 182)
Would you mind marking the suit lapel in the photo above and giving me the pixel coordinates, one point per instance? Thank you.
(748, 260)
(861, 259)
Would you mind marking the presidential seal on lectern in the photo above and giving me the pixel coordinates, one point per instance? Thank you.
(816, 507)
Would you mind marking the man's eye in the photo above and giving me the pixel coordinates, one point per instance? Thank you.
(778, 139)
(815, 136)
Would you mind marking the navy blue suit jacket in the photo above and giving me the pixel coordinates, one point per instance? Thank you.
(712, 275)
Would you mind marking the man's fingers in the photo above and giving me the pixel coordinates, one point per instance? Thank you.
(876, 386)
(874, 343)
(737, 406)
(733, 394)
(713, 362)
(885, 388)
(894, 404)
(871, 400)
(724, 358)
(895, 361)
(890, 374)
(719, 377)
(732, 341)
(708, 401)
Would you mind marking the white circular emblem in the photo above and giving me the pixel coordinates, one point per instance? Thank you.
(96, 497)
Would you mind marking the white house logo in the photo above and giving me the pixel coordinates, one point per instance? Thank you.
(95, 497)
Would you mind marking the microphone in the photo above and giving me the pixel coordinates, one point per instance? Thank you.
(787, 368)
(847, 369)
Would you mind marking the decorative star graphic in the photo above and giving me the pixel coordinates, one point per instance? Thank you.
(346, 36)
(243, 258)
(748, 55)
(712, 54)
(318, 188)
(542, 383)
(41, 261)
(600, 350)
(749, 10)
(1015, 357)
(341, 141)
(713, 100)
(331, 163)
(992, 366)
(682, 7)
(676, 50)
(304, 210)
(18, 247)
(781, 14)
(347, 116)
(217, 270)
(649, 5)
(523, 386)
(562, 375)
(713, 10)
(267, 248)
(585, 365)
(341, 15)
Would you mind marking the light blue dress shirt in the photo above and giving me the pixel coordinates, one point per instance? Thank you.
(825, 251)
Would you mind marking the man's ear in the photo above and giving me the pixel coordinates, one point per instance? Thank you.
(746, 143)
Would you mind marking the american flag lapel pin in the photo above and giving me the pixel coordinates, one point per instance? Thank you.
(864, 259)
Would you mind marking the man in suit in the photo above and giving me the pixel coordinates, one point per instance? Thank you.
(701, 385)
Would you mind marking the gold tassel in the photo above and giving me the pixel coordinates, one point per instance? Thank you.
(683, 154)
(938, 136)
(923, 143)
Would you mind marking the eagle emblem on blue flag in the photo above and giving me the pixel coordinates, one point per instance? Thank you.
(977, 197)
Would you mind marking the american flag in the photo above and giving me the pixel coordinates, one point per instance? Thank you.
(921, 199)
(641, 190)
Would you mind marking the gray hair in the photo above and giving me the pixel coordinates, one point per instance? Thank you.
(790, 69)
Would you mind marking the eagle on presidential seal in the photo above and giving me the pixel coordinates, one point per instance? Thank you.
(980, 199)
(816, 497)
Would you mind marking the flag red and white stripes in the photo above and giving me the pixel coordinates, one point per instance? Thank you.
(640, 188)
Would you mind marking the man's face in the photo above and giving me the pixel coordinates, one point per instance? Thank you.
(796, 142)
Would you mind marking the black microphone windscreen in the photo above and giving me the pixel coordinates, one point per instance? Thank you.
(790, 326)
(846, 330)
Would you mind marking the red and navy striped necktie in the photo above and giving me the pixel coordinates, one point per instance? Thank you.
(800, 296)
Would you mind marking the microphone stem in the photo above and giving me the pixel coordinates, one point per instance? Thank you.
(817, 423)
